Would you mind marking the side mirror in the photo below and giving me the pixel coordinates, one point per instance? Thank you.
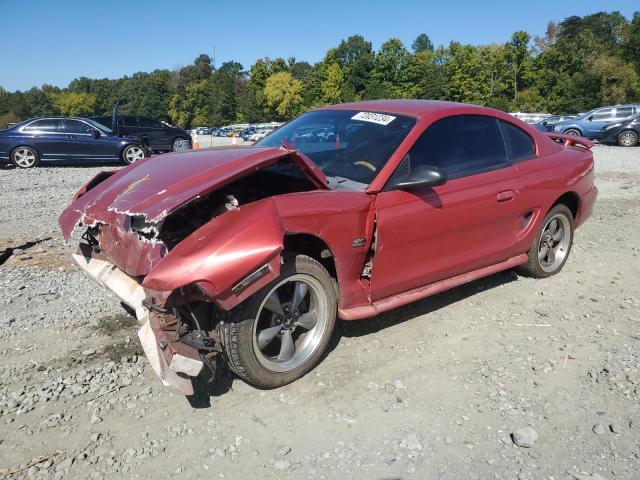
(590, 118)
(95, 132)
(422, 176)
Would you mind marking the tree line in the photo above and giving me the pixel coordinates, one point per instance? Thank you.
(578, 64)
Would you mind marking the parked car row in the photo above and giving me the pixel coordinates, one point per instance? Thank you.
(248, 132)
(615, 124)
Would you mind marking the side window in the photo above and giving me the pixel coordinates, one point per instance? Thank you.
(624, 112)
(49, 125)
(461, 145)
(519, 144)
(75, 127)
(149, 122)
(129, 121)
(604, 114)
(106, 121)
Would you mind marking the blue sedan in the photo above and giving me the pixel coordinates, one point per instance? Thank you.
(65, 139)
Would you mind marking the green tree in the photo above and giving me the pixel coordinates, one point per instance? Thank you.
(389, 73)
(356, 58)
(422, 43)
(284, 94)
(333, 84)
(72, 104)
(519, 59)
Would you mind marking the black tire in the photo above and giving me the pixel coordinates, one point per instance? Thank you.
(25, 157)
(540, 268)
(239, 334)
(572, 131)
(132, 153)
(627, 138)
(176, 140)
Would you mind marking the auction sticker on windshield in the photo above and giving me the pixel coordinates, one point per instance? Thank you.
(379, 118)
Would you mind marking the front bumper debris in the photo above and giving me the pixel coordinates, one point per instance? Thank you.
(108, 275)
(172, 361)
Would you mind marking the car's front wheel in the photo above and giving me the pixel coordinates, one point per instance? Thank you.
(132, 154)
(551, 247)
(280, 333)
(25, 157)
(628, 138)
(572, 131)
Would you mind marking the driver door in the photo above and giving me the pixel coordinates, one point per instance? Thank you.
(430, 234)
(597, 120)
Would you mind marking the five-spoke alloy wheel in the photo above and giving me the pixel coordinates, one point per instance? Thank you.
(25, 157)
(280, 333)
(132, 154)
(552, 245)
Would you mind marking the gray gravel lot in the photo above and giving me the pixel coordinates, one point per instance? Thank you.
(443, 388)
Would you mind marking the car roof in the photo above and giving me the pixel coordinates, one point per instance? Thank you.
(415, 108)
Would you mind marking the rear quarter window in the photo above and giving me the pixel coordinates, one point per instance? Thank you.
(520, 145)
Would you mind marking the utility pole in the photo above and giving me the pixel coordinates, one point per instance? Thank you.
(214, 58)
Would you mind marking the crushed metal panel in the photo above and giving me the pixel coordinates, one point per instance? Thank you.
(170, 379)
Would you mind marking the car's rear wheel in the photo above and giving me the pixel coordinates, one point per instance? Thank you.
(132, 154)
(280, 333)
(25, 157)
(551, 247)
(572, 131)
(180, 144)
(628, 138)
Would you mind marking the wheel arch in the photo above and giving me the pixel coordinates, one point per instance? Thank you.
(572, 127)
(312, 246)
(571, 200)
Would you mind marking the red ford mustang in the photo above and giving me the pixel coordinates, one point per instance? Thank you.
(248, 254)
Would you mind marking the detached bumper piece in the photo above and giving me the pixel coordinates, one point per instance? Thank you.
(171, 360)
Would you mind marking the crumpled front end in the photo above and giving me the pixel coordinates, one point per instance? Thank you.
(181, 257)
(173, 366)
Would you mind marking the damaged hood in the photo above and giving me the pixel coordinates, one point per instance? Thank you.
(156, 186)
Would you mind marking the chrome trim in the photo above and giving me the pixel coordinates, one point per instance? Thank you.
(251, 278)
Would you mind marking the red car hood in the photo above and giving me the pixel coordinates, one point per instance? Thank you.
(156, 186)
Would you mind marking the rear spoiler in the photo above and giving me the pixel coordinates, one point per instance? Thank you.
(570, 140)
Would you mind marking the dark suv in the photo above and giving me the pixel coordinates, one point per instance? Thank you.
(157, 136)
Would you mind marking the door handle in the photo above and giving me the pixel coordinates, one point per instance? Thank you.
(71, 137)
(505, 196)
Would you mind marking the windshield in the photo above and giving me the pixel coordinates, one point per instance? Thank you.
(344, 143)
(99, 126)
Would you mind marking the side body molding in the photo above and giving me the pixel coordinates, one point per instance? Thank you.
(224, 251)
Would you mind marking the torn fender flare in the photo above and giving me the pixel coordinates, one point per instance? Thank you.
(223, 252)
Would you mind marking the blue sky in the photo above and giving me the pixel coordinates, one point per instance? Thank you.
(54, 41)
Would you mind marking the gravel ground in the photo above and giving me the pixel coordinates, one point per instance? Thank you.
(506, 377)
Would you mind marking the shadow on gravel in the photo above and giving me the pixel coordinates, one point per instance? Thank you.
(205, 389)
(425, 306)
(7, 252)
